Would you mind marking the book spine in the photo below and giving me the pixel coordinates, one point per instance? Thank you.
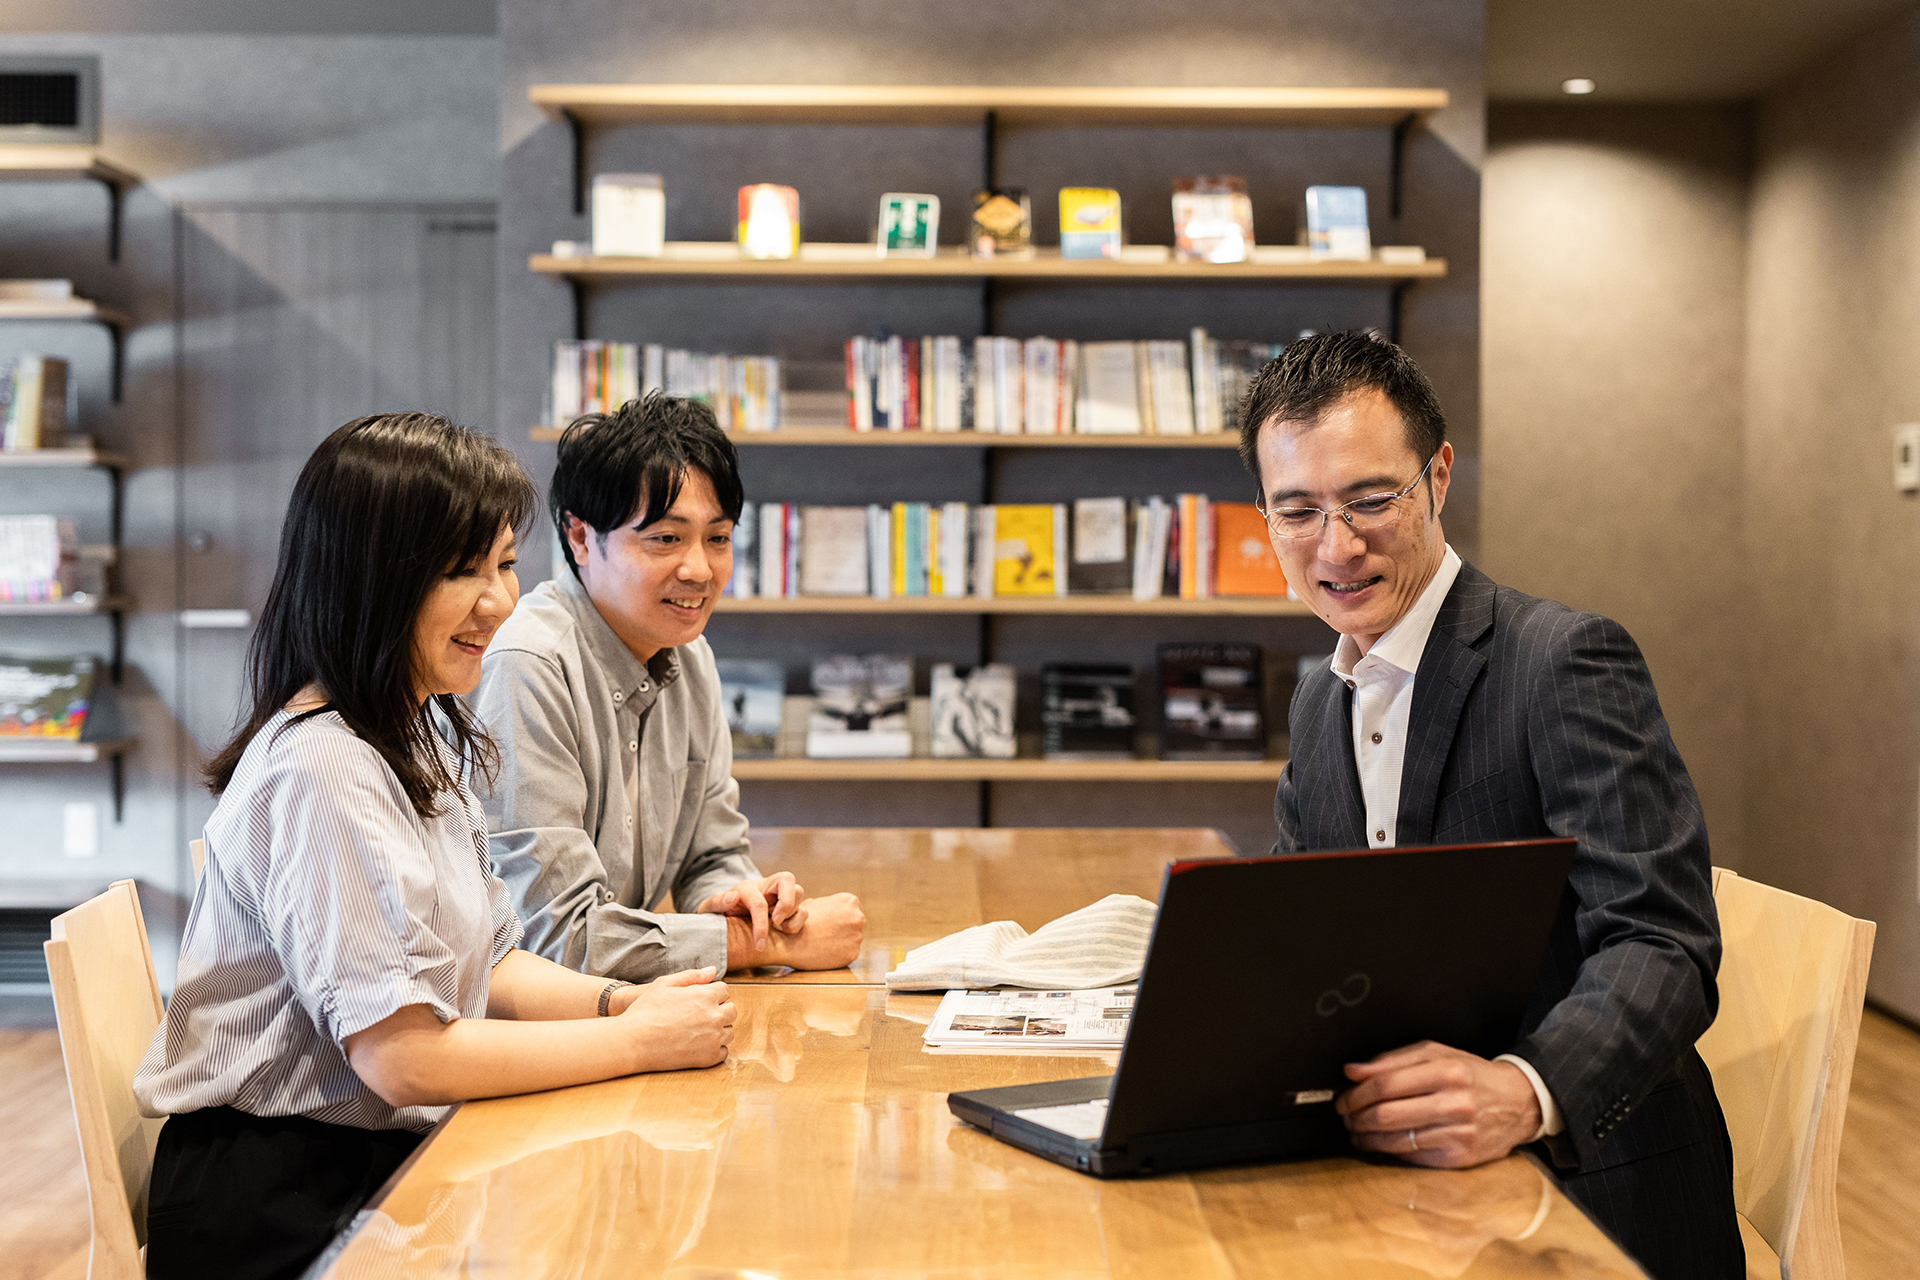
(879, 552)
(1061, 557)
(1204, 569)
(1143, 386)
(897, 535)
(1189, 583)
(792, 513)
(985, 522)
(984, 394)
(936, 566)
(925, 374)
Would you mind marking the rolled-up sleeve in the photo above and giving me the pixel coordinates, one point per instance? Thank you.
(540, 836)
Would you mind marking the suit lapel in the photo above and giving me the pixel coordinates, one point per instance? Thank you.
(1336, 817)
(1448, 669)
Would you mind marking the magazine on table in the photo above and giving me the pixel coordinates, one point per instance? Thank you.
(1042, 1021)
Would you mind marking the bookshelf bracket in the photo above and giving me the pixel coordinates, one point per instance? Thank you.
(579, 288)
(117, 331)
(115, 199)
(578, 131)
(118, 763)
(1399, 163)
(1393, 320)
(119, 618)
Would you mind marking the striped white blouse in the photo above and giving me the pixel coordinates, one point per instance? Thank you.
(326, 905)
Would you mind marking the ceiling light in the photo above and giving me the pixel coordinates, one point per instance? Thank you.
(1577, 86)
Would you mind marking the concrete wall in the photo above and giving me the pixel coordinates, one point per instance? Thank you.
(1834, 682)
(1614, 281)
(208, 120)
(841, 172)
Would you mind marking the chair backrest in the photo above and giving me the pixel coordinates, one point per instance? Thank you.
(1793, 980)
(107, 1001)
(197, 850)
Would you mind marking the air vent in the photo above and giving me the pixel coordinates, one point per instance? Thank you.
(50, 99)
(22, 932)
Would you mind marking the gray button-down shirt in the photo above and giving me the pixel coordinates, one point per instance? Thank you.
(576, 714)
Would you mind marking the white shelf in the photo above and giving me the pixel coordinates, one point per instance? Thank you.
(62, 458)
(60, 751)
(65, 608)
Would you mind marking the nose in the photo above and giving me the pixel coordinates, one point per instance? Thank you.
(497, 600)
(1339, 542)
(694, 566)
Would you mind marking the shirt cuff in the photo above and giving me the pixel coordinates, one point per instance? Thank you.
(1551, 1121)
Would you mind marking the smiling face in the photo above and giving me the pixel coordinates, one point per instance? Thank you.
(656, 585)
(1360, 582)
(459, 616)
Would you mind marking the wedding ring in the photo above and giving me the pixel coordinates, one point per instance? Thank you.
(1413, 1140)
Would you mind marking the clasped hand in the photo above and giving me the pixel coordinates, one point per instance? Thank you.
(1460, 1109)
(771, 921)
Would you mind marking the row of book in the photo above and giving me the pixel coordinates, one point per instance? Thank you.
(38, 557)
(45, 697)
(1189, 547)
(1049, 386)
(34, 402)
(1212, 707)
(599, 377)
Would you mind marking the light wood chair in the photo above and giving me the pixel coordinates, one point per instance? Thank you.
(107, 1002)
(1793, 980)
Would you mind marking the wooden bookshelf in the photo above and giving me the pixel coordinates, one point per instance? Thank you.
(29, 458)
(614, 104)
(834, 436)
(52, 164)
(59, 751)
(1159, 606)
(62, 309)
(925, 770)
(720, 259)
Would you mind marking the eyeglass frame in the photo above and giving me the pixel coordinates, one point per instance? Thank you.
(1326, 516)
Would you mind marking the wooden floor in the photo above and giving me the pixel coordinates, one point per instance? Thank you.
(43, 1204)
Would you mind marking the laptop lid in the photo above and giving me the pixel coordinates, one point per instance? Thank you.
(1265, 976)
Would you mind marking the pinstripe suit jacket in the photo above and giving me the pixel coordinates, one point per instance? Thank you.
(1532, 719)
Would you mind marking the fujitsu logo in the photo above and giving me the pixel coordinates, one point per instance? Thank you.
(1348, 994)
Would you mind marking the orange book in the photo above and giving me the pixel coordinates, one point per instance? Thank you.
(1244, 563)
(1189, 546)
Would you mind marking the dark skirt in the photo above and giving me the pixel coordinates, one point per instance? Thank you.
(236, 1195)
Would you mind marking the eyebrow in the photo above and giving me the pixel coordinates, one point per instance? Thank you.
(1372, 484)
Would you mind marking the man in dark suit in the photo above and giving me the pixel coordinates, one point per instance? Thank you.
(1456, 710)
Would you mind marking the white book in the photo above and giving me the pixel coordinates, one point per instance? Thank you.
(1172, 390)
(880, 551)
(1060, 574)
(896, 385)
(1144, 587)
(1009, 384)
(956, 541)
(653, 371)
(1110, 390)
(1143, 386)
(947, 384)
(746, 559)
(1203, 547)
(833, 551)
(859, 388)
(1157, 549)
(773, 549)
(1069, 386)
(985, 517)
(566, 382)
(985, 397)
(1041, 375)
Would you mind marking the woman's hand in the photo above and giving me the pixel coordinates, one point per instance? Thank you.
(682, 1020)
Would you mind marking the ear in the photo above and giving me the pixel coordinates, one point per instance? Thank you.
(579, 535)
(1441, 477)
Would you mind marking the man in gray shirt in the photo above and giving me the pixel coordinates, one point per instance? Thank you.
(615, 787)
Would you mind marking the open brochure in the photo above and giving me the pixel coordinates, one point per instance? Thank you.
(1043, 1021)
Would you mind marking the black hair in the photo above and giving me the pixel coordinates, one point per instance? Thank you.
(610, 462)
(1314, 374)
(385, 508)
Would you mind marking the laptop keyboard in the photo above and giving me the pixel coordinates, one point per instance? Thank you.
(1082, 1120)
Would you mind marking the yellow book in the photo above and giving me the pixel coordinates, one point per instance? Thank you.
(936, 581)
(899, 549)
(1089, 222)
(1024, 557)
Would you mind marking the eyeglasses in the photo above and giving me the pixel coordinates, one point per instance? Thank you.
(1375, 511)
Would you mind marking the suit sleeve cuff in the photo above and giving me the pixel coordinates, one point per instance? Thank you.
(1551, 1121)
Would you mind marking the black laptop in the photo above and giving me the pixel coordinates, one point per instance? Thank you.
(1265, 976)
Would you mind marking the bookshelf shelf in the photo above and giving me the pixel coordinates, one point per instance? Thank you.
(615, 104)
(925, 770)
(64, 608)
(116, 323)
(839, 436)
(1159, 606)
(56, 164)
(29, 458)
(721, 259)
(49, 751)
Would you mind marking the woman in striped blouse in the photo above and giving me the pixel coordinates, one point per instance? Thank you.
(350, 964)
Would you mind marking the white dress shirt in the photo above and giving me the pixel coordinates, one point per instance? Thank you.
(1382, 684)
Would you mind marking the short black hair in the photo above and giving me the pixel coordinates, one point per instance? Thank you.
(609, 461)
(1314, 374)
(386, 508)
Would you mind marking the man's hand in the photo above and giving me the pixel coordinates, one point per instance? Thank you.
(1461, 1110)
(750, 898)
(827, 935)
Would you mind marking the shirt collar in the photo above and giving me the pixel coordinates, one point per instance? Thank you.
(1404, 642)
(624, 671)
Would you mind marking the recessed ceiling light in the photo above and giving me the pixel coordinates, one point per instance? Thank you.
(1577, 86)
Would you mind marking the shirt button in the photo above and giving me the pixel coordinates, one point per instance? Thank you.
(1376, 739)
(643, 686)
(629, 822)
(618, 696)
(1381, 834)
(634, 745)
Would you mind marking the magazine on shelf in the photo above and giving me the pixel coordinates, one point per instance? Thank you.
(1035, 1021)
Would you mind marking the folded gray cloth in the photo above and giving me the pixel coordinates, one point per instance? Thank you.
(1097, 946)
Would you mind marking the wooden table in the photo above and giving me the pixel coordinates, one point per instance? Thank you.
(824, 1148)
